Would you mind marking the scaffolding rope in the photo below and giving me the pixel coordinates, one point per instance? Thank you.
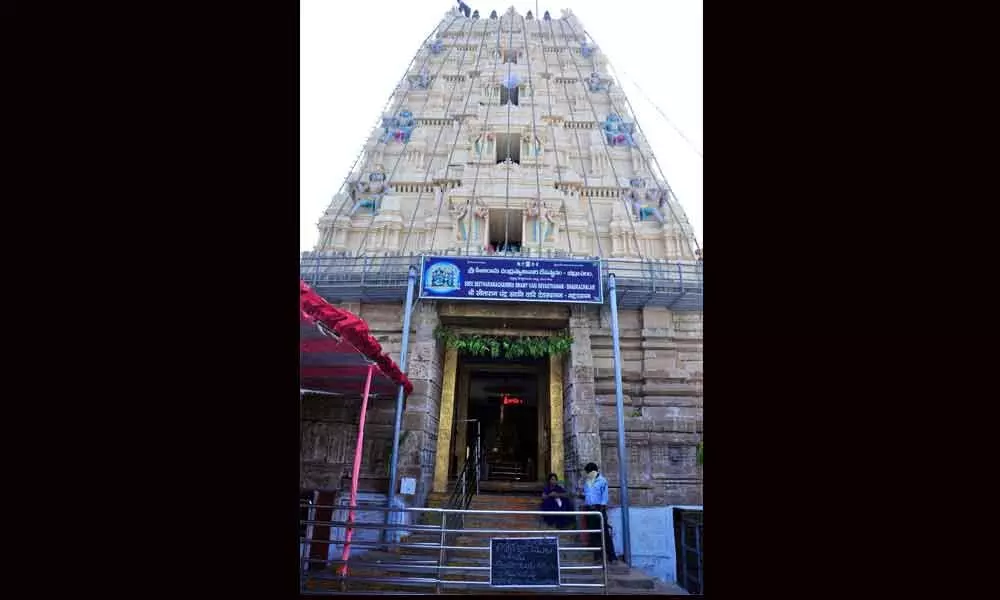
(395, 92)
(430, 162)
(406, 143)
(486, 122)
(579, 148)
(508, 161)
(604, 143)
(555, 146)
(688, 236)
(664, 115)
(576, 134)
(461, 125)
(539, 226)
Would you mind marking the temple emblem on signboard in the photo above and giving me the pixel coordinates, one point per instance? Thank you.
(442, 278)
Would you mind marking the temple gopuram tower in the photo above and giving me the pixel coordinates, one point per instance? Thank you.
(507, 155)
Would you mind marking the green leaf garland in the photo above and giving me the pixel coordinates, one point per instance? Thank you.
(512, 347)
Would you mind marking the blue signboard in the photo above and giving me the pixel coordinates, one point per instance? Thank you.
(511, 279)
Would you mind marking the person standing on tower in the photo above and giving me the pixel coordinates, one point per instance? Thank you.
(595, 498)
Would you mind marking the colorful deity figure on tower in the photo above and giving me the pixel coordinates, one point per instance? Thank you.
(398, 128)
(367, 192)
(543, 221)
(617, 132)
(596, 83)
(637, 195)
(437, 46)
(586, 50)
(422, 80)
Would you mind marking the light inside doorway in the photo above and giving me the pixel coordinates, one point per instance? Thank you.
(506, 405)
(502, 416)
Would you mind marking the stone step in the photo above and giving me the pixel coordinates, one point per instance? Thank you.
(621, 578)
(414, 563)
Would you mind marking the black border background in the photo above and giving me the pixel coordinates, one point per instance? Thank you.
(143, 133)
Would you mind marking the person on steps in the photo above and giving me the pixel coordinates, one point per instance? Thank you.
(595, 498)
(555, 498)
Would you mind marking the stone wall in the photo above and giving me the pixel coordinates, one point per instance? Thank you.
(329, 434)
(662, 397)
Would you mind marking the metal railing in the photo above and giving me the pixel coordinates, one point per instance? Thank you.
(466, 488)
(343, 277)
(426, 558)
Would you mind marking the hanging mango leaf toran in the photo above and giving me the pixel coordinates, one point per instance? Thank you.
(512, 347)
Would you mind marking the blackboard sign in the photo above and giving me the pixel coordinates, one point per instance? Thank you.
(524, 562)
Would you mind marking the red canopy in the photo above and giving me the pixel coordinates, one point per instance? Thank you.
(339, 364)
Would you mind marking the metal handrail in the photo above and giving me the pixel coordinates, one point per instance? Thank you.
(421, 569)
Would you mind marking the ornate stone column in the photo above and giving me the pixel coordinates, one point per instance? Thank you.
(581, 417)
(420, 419)
(445, 420)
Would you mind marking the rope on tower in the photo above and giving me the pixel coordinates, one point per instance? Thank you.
(430, 161)
(555, 145)
(486, 123)
(604, 144)
(664, 115)
(688, 233)
(406, 143)
(539, 226)
(399, 103)
(507, 161)
(461, 125)
(579, 148)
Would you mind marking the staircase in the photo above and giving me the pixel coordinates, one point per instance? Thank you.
(505, 470)
(403, 568)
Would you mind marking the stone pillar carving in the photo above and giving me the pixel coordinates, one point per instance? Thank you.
(420, 419)
(557, 452)
(582, 438)
(445, 420)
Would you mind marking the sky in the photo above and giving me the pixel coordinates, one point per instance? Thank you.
(353, 54)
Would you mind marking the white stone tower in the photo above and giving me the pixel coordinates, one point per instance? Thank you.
(508, 134)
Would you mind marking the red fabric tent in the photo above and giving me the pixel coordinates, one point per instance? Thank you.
(339, 364)
(338, 355)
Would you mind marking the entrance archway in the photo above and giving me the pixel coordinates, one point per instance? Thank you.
(473, 393)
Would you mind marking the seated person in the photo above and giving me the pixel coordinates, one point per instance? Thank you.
(555, 498)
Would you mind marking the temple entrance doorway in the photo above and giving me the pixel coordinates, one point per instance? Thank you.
(502, 410)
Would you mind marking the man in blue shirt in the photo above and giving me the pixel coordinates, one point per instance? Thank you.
(595, 497)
